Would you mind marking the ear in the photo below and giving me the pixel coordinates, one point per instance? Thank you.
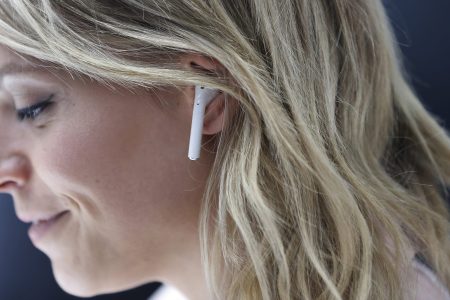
(219, 113)
(222, 108)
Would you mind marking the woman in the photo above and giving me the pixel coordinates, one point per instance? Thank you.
(321, 175)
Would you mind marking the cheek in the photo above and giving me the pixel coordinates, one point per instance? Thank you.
(66, 161)
(86, 158)
(129, 177)
(117, 168)
(89, 145)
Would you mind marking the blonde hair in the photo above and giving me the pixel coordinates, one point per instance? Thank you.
(330, 154)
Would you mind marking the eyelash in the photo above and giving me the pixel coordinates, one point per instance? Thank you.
(33, 111)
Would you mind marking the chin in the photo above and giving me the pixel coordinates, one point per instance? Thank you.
(82, 286)
(79, 286)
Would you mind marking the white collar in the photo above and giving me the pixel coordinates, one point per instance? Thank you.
(167, 292)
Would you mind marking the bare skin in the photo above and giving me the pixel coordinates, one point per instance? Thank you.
(118, 163)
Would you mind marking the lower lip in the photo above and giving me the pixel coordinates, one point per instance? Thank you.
(39, 230)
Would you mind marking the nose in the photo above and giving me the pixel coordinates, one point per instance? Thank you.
(13, 173)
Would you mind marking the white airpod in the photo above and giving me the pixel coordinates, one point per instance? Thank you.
(203, 96)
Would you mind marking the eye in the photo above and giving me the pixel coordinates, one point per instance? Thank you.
(34, 110)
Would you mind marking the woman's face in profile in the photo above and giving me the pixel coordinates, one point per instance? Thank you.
(117, 162)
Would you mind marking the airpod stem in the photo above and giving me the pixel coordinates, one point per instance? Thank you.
(203, 96)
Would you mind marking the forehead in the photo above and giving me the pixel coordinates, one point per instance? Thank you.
(9, 57)
(12, 63)
(16, 68)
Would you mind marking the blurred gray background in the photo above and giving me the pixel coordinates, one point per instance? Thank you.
(423, 31)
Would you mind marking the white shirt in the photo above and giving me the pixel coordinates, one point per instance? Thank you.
(167, 292)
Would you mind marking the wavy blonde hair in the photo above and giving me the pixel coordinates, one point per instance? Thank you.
(330, 154)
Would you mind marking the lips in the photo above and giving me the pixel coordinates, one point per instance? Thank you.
(38, 230)
(38, 218)
(39, 221)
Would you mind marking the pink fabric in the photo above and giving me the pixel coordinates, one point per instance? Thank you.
(424, 284)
